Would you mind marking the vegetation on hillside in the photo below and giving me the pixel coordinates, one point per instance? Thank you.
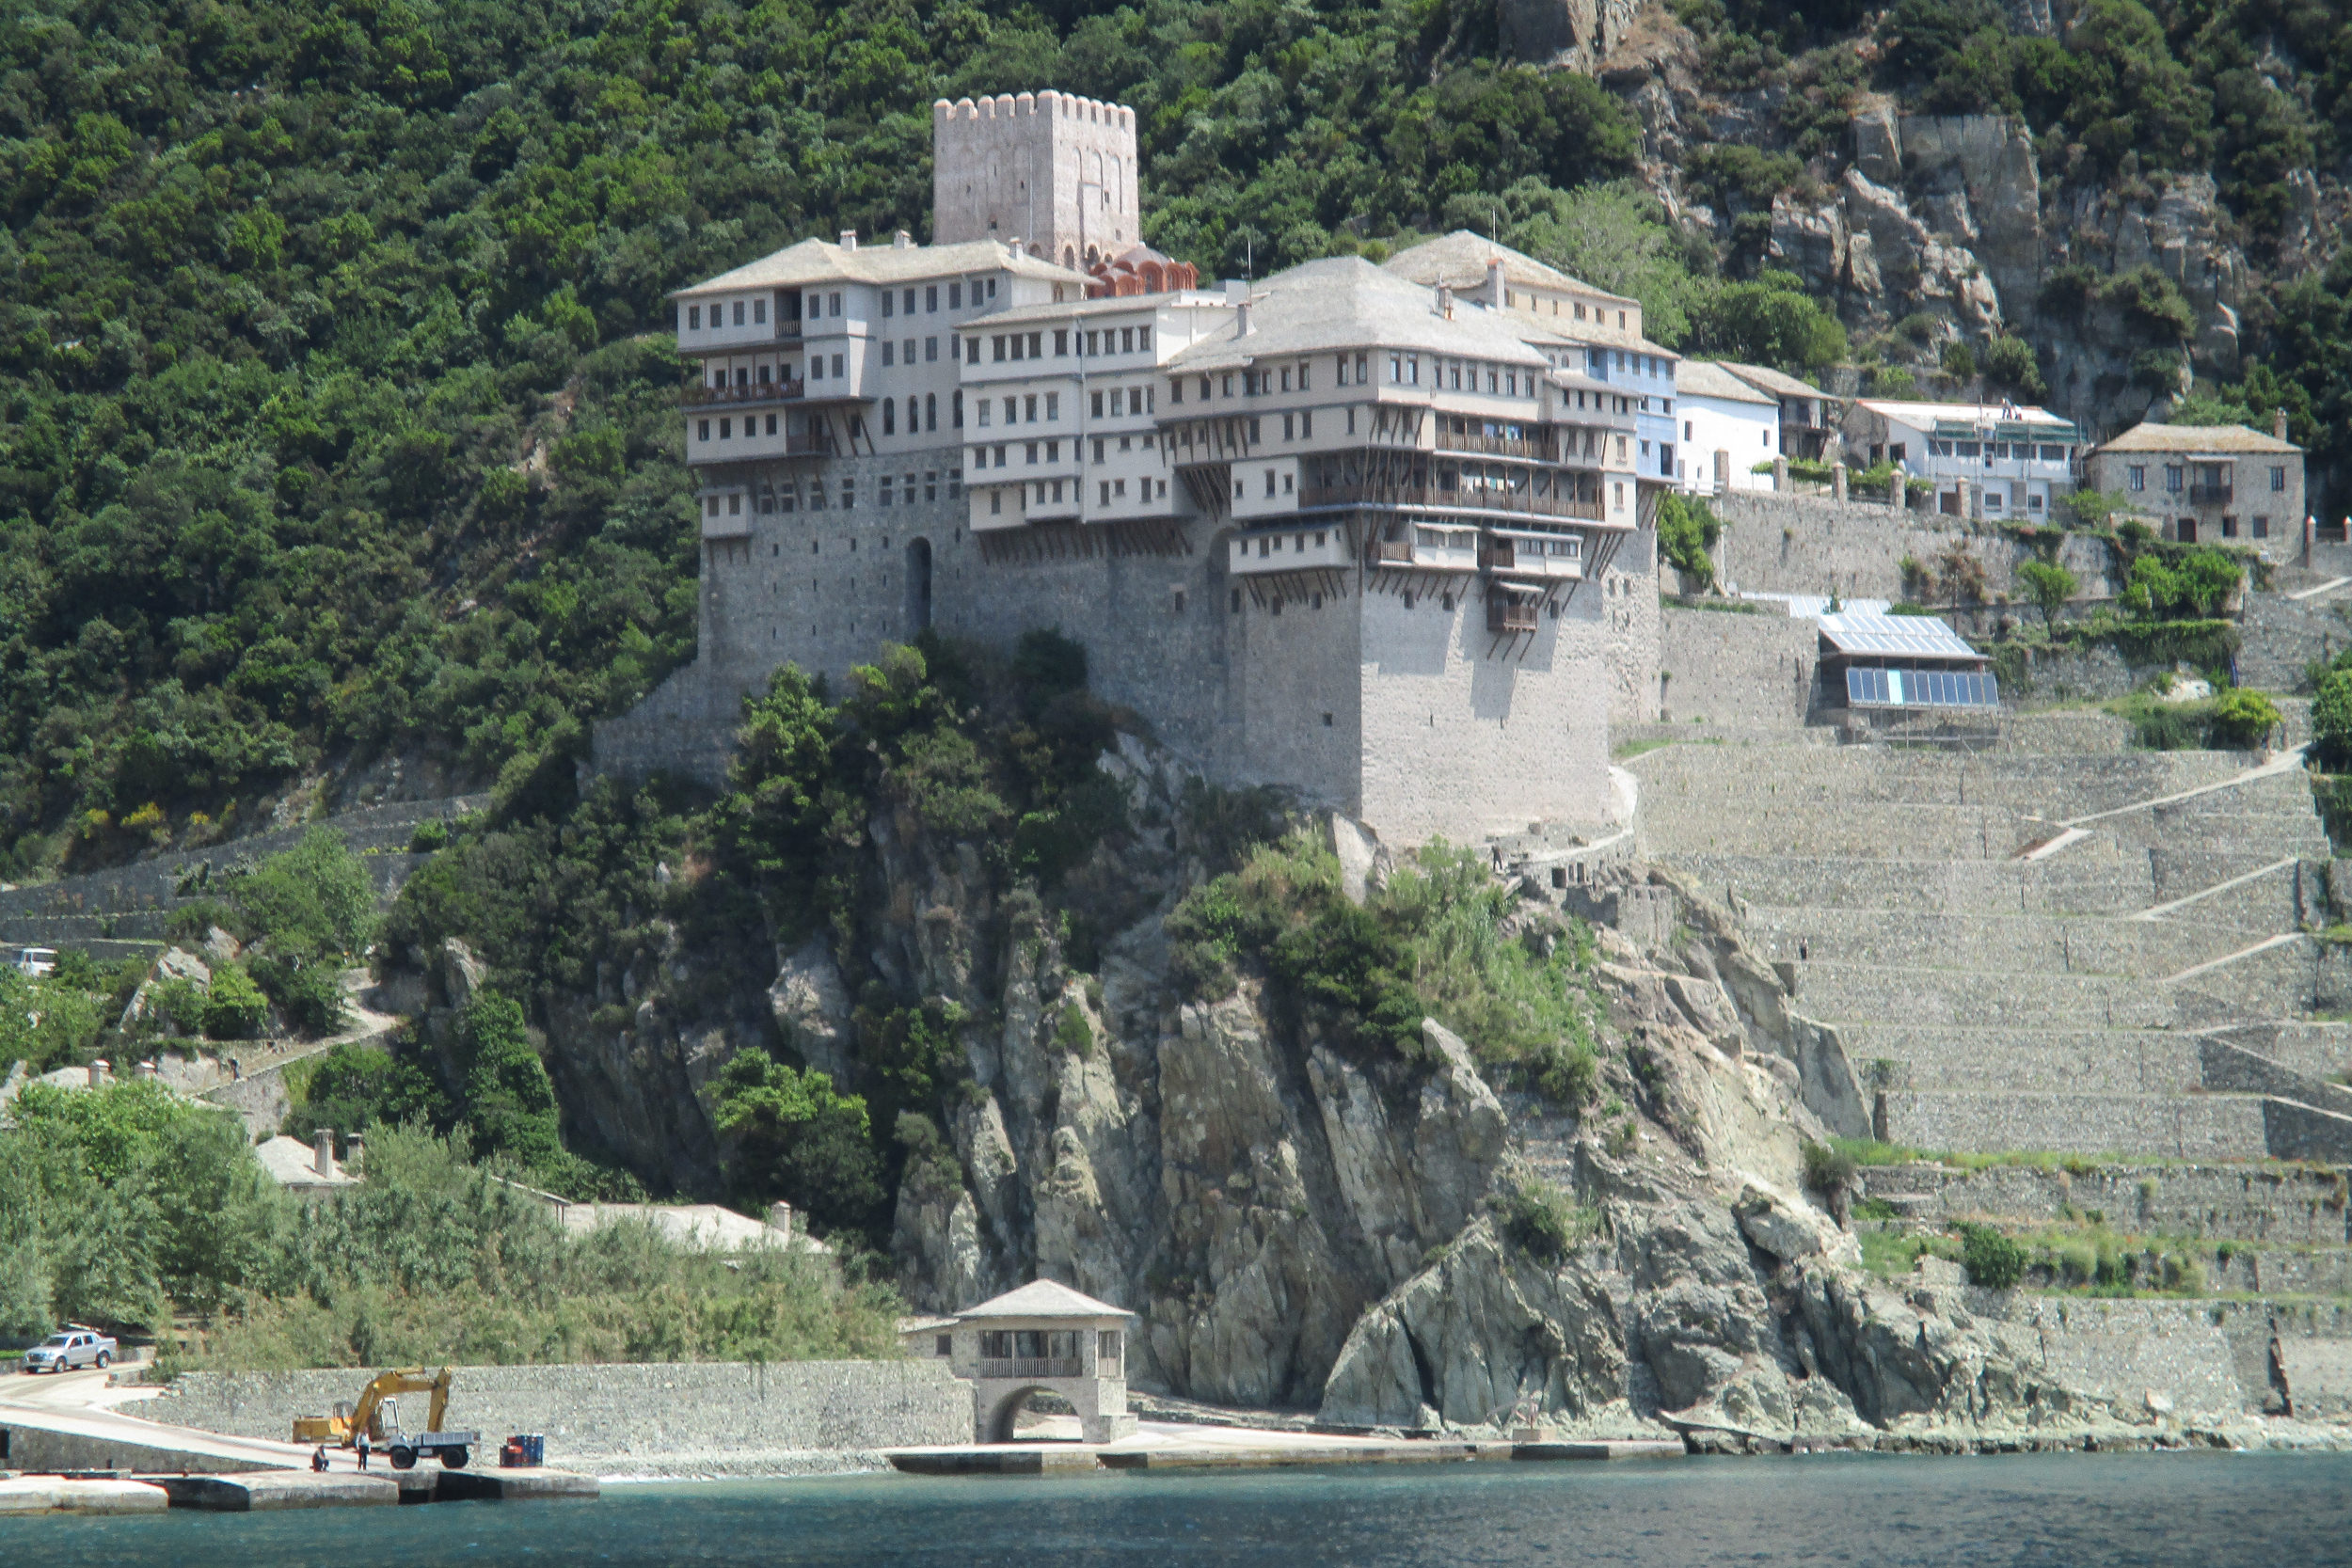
(132, 1208)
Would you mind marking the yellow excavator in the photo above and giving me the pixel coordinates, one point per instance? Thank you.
(377, 1413)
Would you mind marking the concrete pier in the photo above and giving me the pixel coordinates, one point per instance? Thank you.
(75, 1494)
(268, 1490)
(1166, 1445)
(525, 1483)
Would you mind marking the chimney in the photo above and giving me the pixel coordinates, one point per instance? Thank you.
(902, 240)
(97, 1074)
(323, 1151)
(1445, 300)
(2279, 423)
(780, 1220)
(1496, 295)
(354, 1155)
(849, 239)
(1241, 320)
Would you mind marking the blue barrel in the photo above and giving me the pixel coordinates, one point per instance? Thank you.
(524, 1449)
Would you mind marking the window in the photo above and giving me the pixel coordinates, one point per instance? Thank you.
(996, 349)
(848, 494)
(694, 317)
(1053, 405)
(1362, 363)
(1255, 435)
(738, 312)
(930, 351)
(1302, 377)
(726, 429)
(702, 430)
(890, 420)
(995, 502)
(886, 311)
(1098, 404)
(1176, 390)
(930, 478)
(833, 303)
(954, 296)
(2138, 476)
(984, 407)
(930, 298)
(1061, 341)
(887, 346)
(759, 311)
(883, 498)
(2173, 479)
(2278, 479)
(2261, 528)
(1306, 425)
(1029, 452)
(931, 410)
(1019, 343)
(836, 367)
(1037, 349)
(1126, 340)
(1412, 369)
(909, 302)
(1098, 448)
(955, 406)
(1029, 409)
(771, 425)
(1143, 339)
(1105, 498)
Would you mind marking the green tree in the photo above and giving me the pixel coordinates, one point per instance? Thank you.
(1687, 529)
(2050, 586)
(509, 1098)
(794, 1136)
(235, 1008)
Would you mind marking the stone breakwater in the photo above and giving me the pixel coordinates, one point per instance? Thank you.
(701, 1419)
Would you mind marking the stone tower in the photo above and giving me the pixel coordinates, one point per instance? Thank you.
(1052, 171)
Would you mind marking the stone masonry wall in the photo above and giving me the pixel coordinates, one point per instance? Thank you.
(1751, 672)
(704, 1418)
(1791, 543)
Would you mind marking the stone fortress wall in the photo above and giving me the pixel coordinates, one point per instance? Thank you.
(1780, 543)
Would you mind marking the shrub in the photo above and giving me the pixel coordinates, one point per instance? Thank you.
(2010, 362)
(1566, 1072)
(235, 1009)
(1687, 529)
(1993, 1259)
(794, 1136)
(2331, 720)
(1959, 362)
(1543, 1222)
(1073, 1034)
(1827, 1168)
(2240, 720)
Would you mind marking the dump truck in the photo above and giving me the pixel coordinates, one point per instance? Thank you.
(377, 1414)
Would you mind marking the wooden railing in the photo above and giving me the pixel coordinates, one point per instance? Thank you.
(761, 392)
(1026, 1366)
(1498, 446)
(1388, 552)
(2210, 495)
(1525, 501)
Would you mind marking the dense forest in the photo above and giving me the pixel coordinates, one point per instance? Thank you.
(337, 383)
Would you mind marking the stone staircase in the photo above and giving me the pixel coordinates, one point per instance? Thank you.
(2035, 945)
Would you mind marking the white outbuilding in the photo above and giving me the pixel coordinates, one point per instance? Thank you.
(1727, 428)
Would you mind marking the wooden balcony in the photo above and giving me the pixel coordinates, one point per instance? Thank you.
(1498, 446)
(1511, 615)
(1386, 552)
(1529, 558)
(2211, 495)
(759, 391)
(1523, 502)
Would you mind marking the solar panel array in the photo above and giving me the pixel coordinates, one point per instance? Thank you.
(1919, 636)
(1921, 688)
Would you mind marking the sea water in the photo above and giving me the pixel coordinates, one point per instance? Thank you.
(2193, 1509)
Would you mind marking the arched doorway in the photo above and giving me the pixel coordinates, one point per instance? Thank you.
(919, 581)
(1006, 1416)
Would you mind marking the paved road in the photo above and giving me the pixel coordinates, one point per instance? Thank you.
(83, 1405)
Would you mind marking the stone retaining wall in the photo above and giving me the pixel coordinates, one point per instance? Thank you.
(2284, 1205)
(659, 1419)
(1788, 544)
(1742, 671)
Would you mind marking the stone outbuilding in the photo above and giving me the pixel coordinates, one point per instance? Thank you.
(1044, 1337)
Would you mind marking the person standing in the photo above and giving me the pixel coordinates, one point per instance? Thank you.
(362, 1445)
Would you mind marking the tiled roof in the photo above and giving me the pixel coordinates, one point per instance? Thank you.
(1766, 379)
(1045, 1298)
(1108, 306)
(2196, 438)
(1926, 416)
(1347, 302)
(817, 261)
(1704, 378)
(1460, 259)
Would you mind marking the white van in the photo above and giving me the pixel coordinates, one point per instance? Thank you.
(38, 962)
